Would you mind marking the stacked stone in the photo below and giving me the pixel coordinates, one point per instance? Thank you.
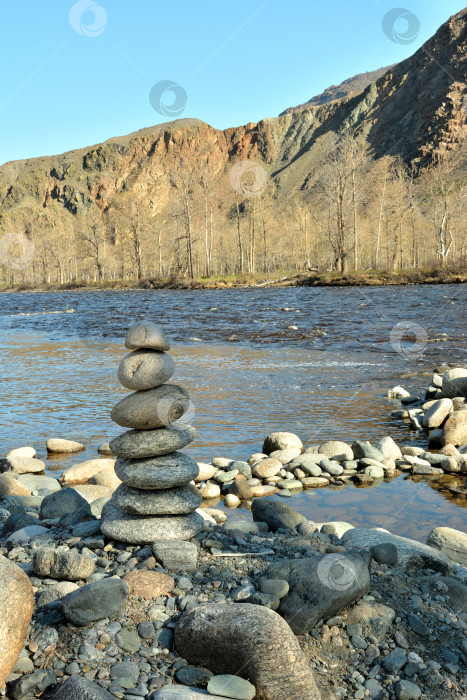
(156, 499)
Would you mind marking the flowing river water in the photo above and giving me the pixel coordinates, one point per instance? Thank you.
(314, 361)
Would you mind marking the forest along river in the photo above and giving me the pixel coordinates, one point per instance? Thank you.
(314, 361)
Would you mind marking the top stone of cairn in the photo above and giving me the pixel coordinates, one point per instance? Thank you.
(146, 335)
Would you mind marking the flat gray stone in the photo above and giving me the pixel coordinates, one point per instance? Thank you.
(232, 687)
(180, 692)
(405, 690)
(141, 529)
(61, 446)
(79, 688)
(155, 473)
(146, 334)
(26, 534)
(152, 443)
(176, 555)
(410, 554)
(21, 465)
(176, 501)
(365, 449)
(55, 592)
(145, 369)
(331, 467)
(62, 564)
(63, 502)
(95, 601)
(321, 587)
(275, 515)
(38, 482)
(153, 408)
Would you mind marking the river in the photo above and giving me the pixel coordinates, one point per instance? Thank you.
(314, 361)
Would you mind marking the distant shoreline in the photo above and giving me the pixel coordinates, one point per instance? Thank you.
(261, 281)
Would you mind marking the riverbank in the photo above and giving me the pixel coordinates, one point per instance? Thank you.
(359, 612)
(369, 278)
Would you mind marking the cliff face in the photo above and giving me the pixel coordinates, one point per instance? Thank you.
(416, 110)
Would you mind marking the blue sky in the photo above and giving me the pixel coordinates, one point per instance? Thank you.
(72, 80)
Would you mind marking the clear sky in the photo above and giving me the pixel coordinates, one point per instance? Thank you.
(75, 74)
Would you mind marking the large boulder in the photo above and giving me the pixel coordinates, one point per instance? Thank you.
(276, 515)
(452, 542)
(411, 555)
(455, 383)
(281, 441)
(16, 605)
(247, 640)
(455, 429)
(321, 587)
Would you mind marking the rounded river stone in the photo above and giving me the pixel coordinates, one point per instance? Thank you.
(163, 472)
(177, 501)
(152, 443)
(140, 529)
(153, 408)
(145, 369)
(146, 335)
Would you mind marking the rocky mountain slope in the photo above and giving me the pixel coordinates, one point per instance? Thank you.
(349, 87)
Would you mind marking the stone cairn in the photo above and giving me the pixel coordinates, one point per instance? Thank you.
(155, 500)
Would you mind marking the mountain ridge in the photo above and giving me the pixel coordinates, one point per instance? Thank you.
(348, 87)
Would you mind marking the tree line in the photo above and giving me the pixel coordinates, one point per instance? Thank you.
(353, 214)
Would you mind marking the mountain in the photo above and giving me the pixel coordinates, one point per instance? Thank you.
(171, 197)
(351, 86)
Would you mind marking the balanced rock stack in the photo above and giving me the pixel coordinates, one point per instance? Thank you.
(156, 499)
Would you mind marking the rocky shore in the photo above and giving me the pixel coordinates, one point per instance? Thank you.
(92, 607)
